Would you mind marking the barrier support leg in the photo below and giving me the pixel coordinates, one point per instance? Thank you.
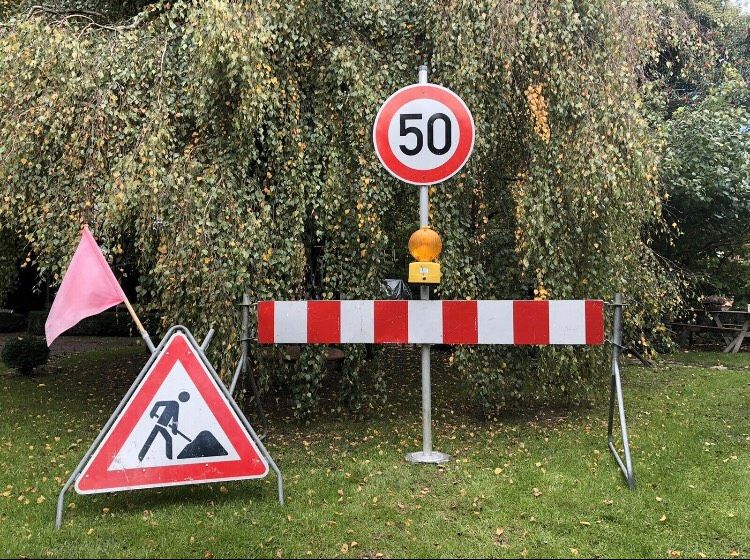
(242, 366)
(616, 392)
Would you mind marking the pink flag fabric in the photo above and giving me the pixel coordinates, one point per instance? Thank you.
(88, 287)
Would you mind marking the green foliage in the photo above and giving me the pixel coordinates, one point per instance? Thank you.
(707, 173)
(25, 354)
(228, 146)
(109, 323)
(695, 98)
(724, 27)
(695, 38)
(9, 257)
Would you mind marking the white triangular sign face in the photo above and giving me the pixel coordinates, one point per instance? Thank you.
(178, 427)
(193, 417)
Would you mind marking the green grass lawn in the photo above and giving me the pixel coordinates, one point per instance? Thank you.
(541, 484)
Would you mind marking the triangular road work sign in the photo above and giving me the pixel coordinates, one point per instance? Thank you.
(177, 427)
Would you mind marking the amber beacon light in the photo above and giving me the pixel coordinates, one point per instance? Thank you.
(425, 246)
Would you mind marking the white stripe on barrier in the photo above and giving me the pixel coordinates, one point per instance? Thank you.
(290, 322)
(495, 321)
(425, 322)
(567, 322)
(357, 321)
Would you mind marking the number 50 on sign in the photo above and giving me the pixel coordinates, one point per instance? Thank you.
(423, 134)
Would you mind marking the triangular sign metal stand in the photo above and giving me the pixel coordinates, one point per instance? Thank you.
(198, 350)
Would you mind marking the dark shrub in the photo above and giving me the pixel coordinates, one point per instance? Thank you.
(25, 354)
(12, 322)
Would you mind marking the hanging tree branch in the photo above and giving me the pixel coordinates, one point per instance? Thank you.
(89, 15)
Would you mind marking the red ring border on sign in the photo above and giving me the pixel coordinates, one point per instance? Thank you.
(423, 176)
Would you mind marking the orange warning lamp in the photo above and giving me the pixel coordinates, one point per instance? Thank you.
(425, 246)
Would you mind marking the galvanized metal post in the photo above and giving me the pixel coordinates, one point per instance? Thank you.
(427, 455)
(616, 393)
(243, 342)
(242, 365)
(207, 340)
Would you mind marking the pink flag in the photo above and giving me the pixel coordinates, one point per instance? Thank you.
(88, 288)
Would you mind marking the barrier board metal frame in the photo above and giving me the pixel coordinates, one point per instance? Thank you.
(591, 333)
(615, 392)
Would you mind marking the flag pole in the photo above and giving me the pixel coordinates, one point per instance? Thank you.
(139, 326)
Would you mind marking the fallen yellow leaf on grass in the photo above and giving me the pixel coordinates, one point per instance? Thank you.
(663, 518)
(584, 522)
(499, 531)
(537, 492)
(344, 548)
(574, 551)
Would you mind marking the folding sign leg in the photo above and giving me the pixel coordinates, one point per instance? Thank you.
(241, 416)
(256, 398)
(105, 429)
(616, 391)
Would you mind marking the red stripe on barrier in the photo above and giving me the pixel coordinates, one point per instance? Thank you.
(391, 322)
(460, 322)
(594, 322)
(530, 322)
(265, 322)
(323, 322)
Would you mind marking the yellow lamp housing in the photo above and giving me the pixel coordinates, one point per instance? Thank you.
(424, 273)
(425, 244)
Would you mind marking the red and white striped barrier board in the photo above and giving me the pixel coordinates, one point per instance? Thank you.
(431, 322)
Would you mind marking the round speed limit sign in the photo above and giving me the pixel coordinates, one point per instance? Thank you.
(423, 134)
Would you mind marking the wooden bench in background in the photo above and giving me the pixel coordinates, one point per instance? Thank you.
(732, 333)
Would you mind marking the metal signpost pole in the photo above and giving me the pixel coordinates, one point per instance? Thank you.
(427, 455)
(242, 365)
